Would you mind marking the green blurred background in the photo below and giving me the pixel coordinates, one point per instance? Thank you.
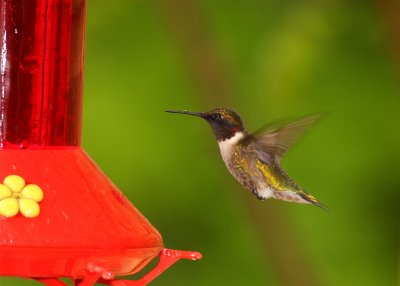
(268, 60)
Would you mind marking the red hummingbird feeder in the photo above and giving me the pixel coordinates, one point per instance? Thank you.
(60, 216)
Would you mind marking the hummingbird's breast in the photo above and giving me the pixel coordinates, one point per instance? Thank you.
(240, 155)
(227, 146)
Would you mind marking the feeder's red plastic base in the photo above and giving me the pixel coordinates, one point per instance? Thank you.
(86, 229)
(94, 273)
(83, 218)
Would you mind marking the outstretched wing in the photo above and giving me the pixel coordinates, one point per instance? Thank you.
(277, 140)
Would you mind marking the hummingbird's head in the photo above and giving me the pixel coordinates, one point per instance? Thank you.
(224, 122)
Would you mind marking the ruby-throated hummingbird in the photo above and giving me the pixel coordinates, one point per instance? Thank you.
(254, 159)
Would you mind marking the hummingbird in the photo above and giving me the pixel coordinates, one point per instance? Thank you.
(254, 159)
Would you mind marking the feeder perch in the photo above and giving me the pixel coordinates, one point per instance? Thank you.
(60, 216)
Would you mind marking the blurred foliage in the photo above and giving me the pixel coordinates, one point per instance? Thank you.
(283, 59)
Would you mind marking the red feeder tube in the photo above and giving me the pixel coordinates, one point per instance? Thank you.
(60, 216)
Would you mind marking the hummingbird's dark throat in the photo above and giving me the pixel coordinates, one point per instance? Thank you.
(222, 134)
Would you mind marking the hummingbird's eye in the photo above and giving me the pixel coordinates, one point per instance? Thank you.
(218, 116)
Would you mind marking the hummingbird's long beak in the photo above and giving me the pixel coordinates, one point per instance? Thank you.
(199, 114)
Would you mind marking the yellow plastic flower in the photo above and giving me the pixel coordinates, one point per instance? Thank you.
(16, 196)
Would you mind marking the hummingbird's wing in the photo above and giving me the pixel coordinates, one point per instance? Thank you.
(277, 140)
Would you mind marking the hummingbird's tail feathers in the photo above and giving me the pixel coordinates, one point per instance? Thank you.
(290, 196)
(314, 201)
(322, 206)
(299, 197)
